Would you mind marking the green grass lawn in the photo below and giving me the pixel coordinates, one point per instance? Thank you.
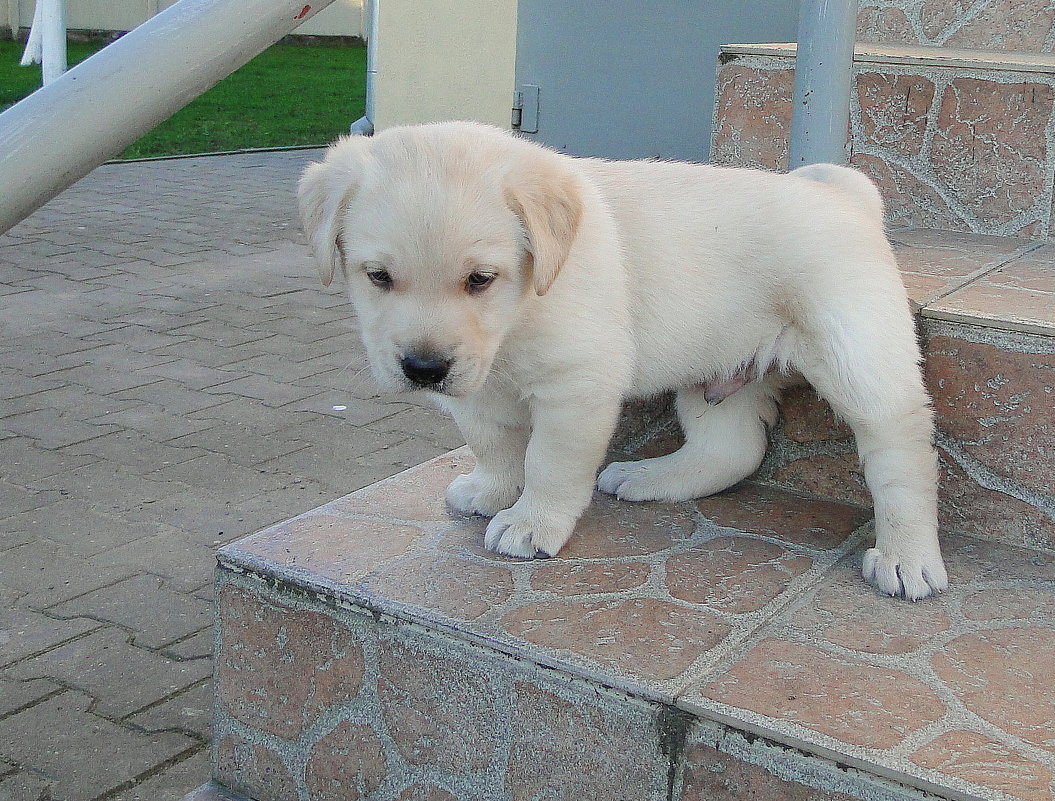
(288, 95)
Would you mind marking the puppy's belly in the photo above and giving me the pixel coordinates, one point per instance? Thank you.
(718, 390)
(721, 377)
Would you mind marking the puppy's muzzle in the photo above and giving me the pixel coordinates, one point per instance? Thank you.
(426, 370)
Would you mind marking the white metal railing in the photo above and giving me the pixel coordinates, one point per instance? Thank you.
(63, 131)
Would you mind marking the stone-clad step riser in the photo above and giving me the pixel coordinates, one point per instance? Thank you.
(343, 704)
(950, 147)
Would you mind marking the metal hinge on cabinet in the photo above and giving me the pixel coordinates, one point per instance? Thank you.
(525, 109)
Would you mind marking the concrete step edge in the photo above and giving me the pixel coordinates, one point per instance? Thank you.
(996, 60)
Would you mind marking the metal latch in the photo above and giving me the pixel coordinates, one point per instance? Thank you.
(525, 109)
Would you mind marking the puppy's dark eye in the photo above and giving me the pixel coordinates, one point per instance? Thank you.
(478, 282)
(380, 278)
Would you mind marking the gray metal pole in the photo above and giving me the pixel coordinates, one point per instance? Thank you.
(365, 124)
(823, 81)
(63, 131)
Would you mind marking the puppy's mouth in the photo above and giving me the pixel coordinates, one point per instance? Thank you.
(437, 387)
(451, 387)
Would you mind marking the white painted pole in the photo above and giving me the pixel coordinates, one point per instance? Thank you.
(33, 50)
(46, 44)
(14, 18)
(66, 129)
(53, 39)
(823, 79)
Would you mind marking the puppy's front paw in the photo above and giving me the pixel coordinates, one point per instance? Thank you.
(514, 532)
(908, 575)
(477, 494)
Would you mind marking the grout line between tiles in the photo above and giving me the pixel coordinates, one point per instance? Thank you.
(734, 647)
(969, 279)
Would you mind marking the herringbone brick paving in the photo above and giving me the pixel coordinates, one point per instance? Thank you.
(171, 377)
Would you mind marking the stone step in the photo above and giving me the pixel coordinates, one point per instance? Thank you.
(955, 139)
(725, 648)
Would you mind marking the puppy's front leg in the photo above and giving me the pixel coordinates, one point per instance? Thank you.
(497, 434)
(568, 442)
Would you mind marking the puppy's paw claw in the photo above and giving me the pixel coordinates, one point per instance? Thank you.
(473, 494)
(909, 576)
(629, 481)
(523, 537)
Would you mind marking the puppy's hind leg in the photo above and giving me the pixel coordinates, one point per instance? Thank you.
(901, 470)
(724, 443)
(868, 370)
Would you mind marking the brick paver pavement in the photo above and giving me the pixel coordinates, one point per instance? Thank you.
(171, 377)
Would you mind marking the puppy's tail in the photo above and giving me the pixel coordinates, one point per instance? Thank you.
(847, 179)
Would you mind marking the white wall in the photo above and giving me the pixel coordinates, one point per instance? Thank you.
(342, 18)
(442, 61)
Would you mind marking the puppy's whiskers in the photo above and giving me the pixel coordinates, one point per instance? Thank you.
(500, 370)
(351, 379)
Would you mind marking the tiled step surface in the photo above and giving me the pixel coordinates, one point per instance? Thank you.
(955, 139)
(1027, 25)
(720, 649)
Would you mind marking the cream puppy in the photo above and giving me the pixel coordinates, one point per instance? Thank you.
(532, 292)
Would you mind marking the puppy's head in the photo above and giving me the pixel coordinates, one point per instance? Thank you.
(443, 232)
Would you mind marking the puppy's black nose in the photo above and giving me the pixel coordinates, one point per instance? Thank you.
(425, 369)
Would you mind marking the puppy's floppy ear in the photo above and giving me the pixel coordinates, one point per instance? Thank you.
(324, 191)
(546, 197)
